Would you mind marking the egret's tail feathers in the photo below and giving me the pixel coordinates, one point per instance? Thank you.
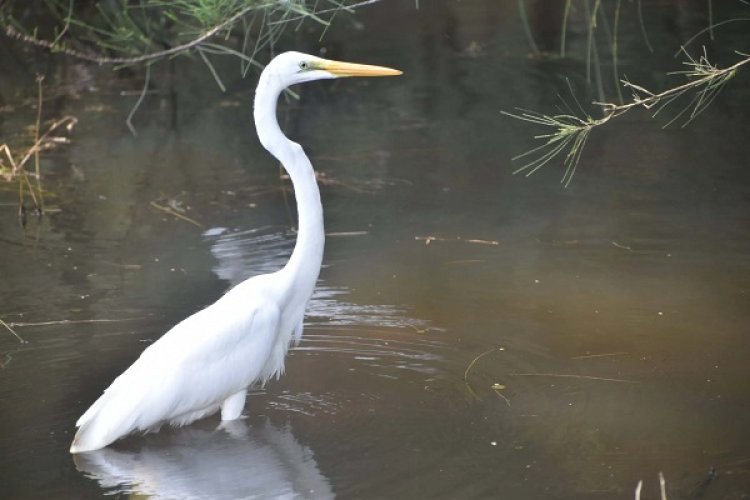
(111, 418)
(102, 424)
(89, 438)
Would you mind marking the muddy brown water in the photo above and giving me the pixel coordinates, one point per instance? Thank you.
(611, 317)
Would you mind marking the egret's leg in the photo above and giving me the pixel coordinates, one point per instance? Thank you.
(232, 407)
(237, 429)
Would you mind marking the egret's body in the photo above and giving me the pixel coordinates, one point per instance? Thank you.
(208, 361)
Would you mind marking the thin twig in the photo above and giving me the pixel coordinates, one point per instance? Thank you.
(526, 27)
(615, 48)
(709, 28)
(471, 365)
(429, 239)
(643, 26)
(141, 96)
(71, 321)
(603, 355)
(564, 31)
(40, 143)
(39, 80)
(348, 233)
(175, 213)
(11, 330)
(211, 69)
(480, 356)
(44, 141)
(348, 8)
(8, 359)
(567, 375)
(502, 396)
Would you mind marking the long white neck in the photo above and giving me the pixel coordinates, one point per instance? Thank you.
(301, 272)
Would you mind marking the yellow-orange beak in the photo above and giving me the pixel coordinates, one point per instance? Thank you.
(341, 69)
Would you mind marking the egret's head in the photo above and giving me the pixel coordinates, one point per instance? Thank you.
(296, 67)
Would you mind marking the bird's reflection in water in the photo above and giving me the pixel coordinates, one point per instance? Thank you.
(234, 461)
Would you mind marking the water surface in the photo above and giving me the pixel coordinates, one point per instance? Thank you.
(610, 317)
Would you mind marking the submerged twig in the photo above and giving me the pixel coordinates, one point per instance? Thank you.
(429, 239)
(11, 330)
(8, 359)
(480, 356)
(624, 247)
(500, 394)
(71, 321)
(474, 362)
(175, 213)
(348, 233)
(602, 355)
(568, 375)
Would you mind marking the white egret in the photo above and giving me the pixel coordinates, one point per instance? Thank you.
(207, 361)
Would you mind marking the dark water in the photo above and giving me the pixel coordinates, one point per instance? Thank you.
(612, 315)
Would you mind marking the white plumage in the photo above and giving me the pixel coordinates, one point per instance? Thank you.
(207, 361)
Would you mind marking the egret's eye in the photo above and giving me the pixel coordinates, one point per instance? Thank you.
(304, 66)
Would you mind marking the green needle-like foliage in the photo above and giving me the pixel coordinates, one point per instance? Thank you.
(143, 32)
(128, 32)
(570, 131)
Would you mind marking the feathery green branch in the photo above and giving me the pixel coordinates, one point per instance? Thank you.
(570, 131)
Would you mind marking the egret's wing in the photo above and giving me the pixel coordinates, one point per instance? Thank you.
(204, 359)
(222, 351)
